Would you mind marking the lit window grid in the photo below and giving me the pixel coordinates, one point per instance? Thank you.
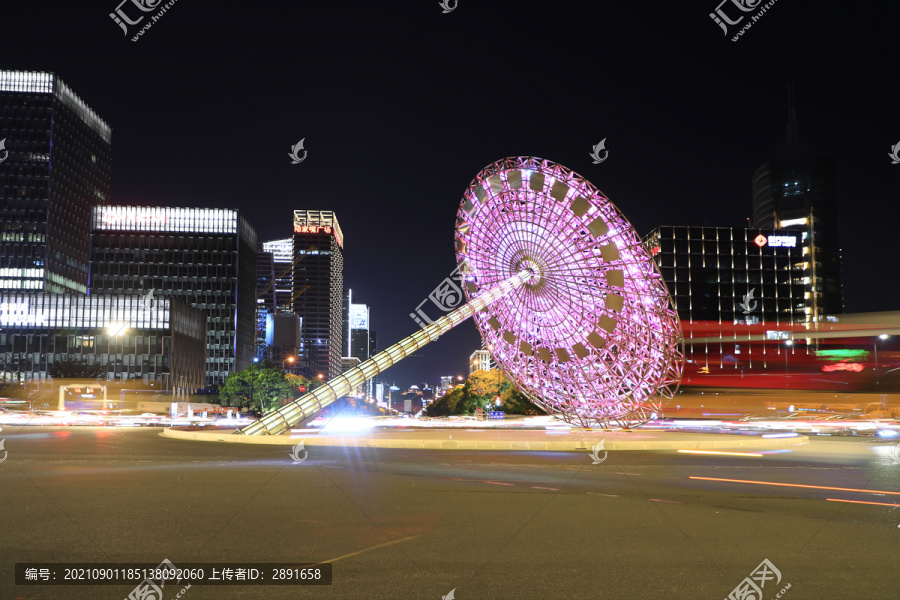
(282, 250)
(165, 219)
(724, 241)
(173, 357)
(81, 312)
(503, 225)
(727, 239)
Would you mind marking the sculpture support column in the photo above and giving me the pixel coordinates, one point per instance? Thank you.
(278, 422)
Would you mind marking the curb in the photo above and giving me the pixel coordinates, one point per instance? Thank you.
(722, 441)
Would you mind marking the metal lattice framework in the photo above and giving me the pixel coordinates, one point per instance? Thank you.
(592, 335)
(570, 303)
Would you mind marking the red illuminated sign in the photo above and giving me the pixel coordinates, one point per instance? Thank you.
(312, 229)
(320, 229)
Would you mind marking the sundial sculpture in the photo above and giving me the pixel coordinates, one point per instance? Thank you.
(564, 293)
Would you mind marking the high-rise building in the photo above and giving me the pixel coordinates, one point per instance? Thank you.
(373, 350)
(714, 272)
(446, 384)
(283, 256)
(45, 214)
(480, 360)
(204, 256)
(345, 317)
(359, 340)
(283, 339)
(359, 331)
(796, 190)
(265, 298)
(318, 289)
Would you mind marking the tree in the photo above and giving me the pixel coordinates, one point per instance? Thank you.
(296, 381)
(480, 391)
(260, 387)
(448, 403)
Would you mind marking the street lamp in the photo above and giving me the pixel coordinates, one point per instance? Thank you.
(115, 330)
(881, 337)
(289, 359)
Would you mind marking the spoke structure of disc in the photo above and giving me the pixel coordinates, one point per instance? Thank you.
(593, 335)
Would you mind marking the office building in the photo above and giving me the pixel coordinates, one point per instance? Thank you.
(282, 252)
(359, 340)
(160, 342)
(318, 284)
(203, 256)
(720, 277)
(445, 386)
(796, 190)
(265, 298)
(480, 360)
(283, 339)
(45, 213)
(359, 331)
(711, 270)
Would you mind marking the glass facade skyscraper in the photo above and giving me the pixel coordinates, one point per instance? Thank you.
(45, 214)
(206, 257)
(797, 190)
(318, 284)
(265, 298)
(283, 256)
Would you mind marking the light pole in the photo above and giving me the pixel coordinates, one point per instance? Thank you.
(787, 344)
(115, 330)
(252, 381)
(883, 399)
(289, 359)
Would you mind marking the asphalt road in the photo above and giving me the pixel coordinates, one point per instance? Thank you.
(417, 524)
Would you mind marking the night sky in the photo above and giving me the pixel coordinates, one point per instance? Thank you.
(401, 106)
